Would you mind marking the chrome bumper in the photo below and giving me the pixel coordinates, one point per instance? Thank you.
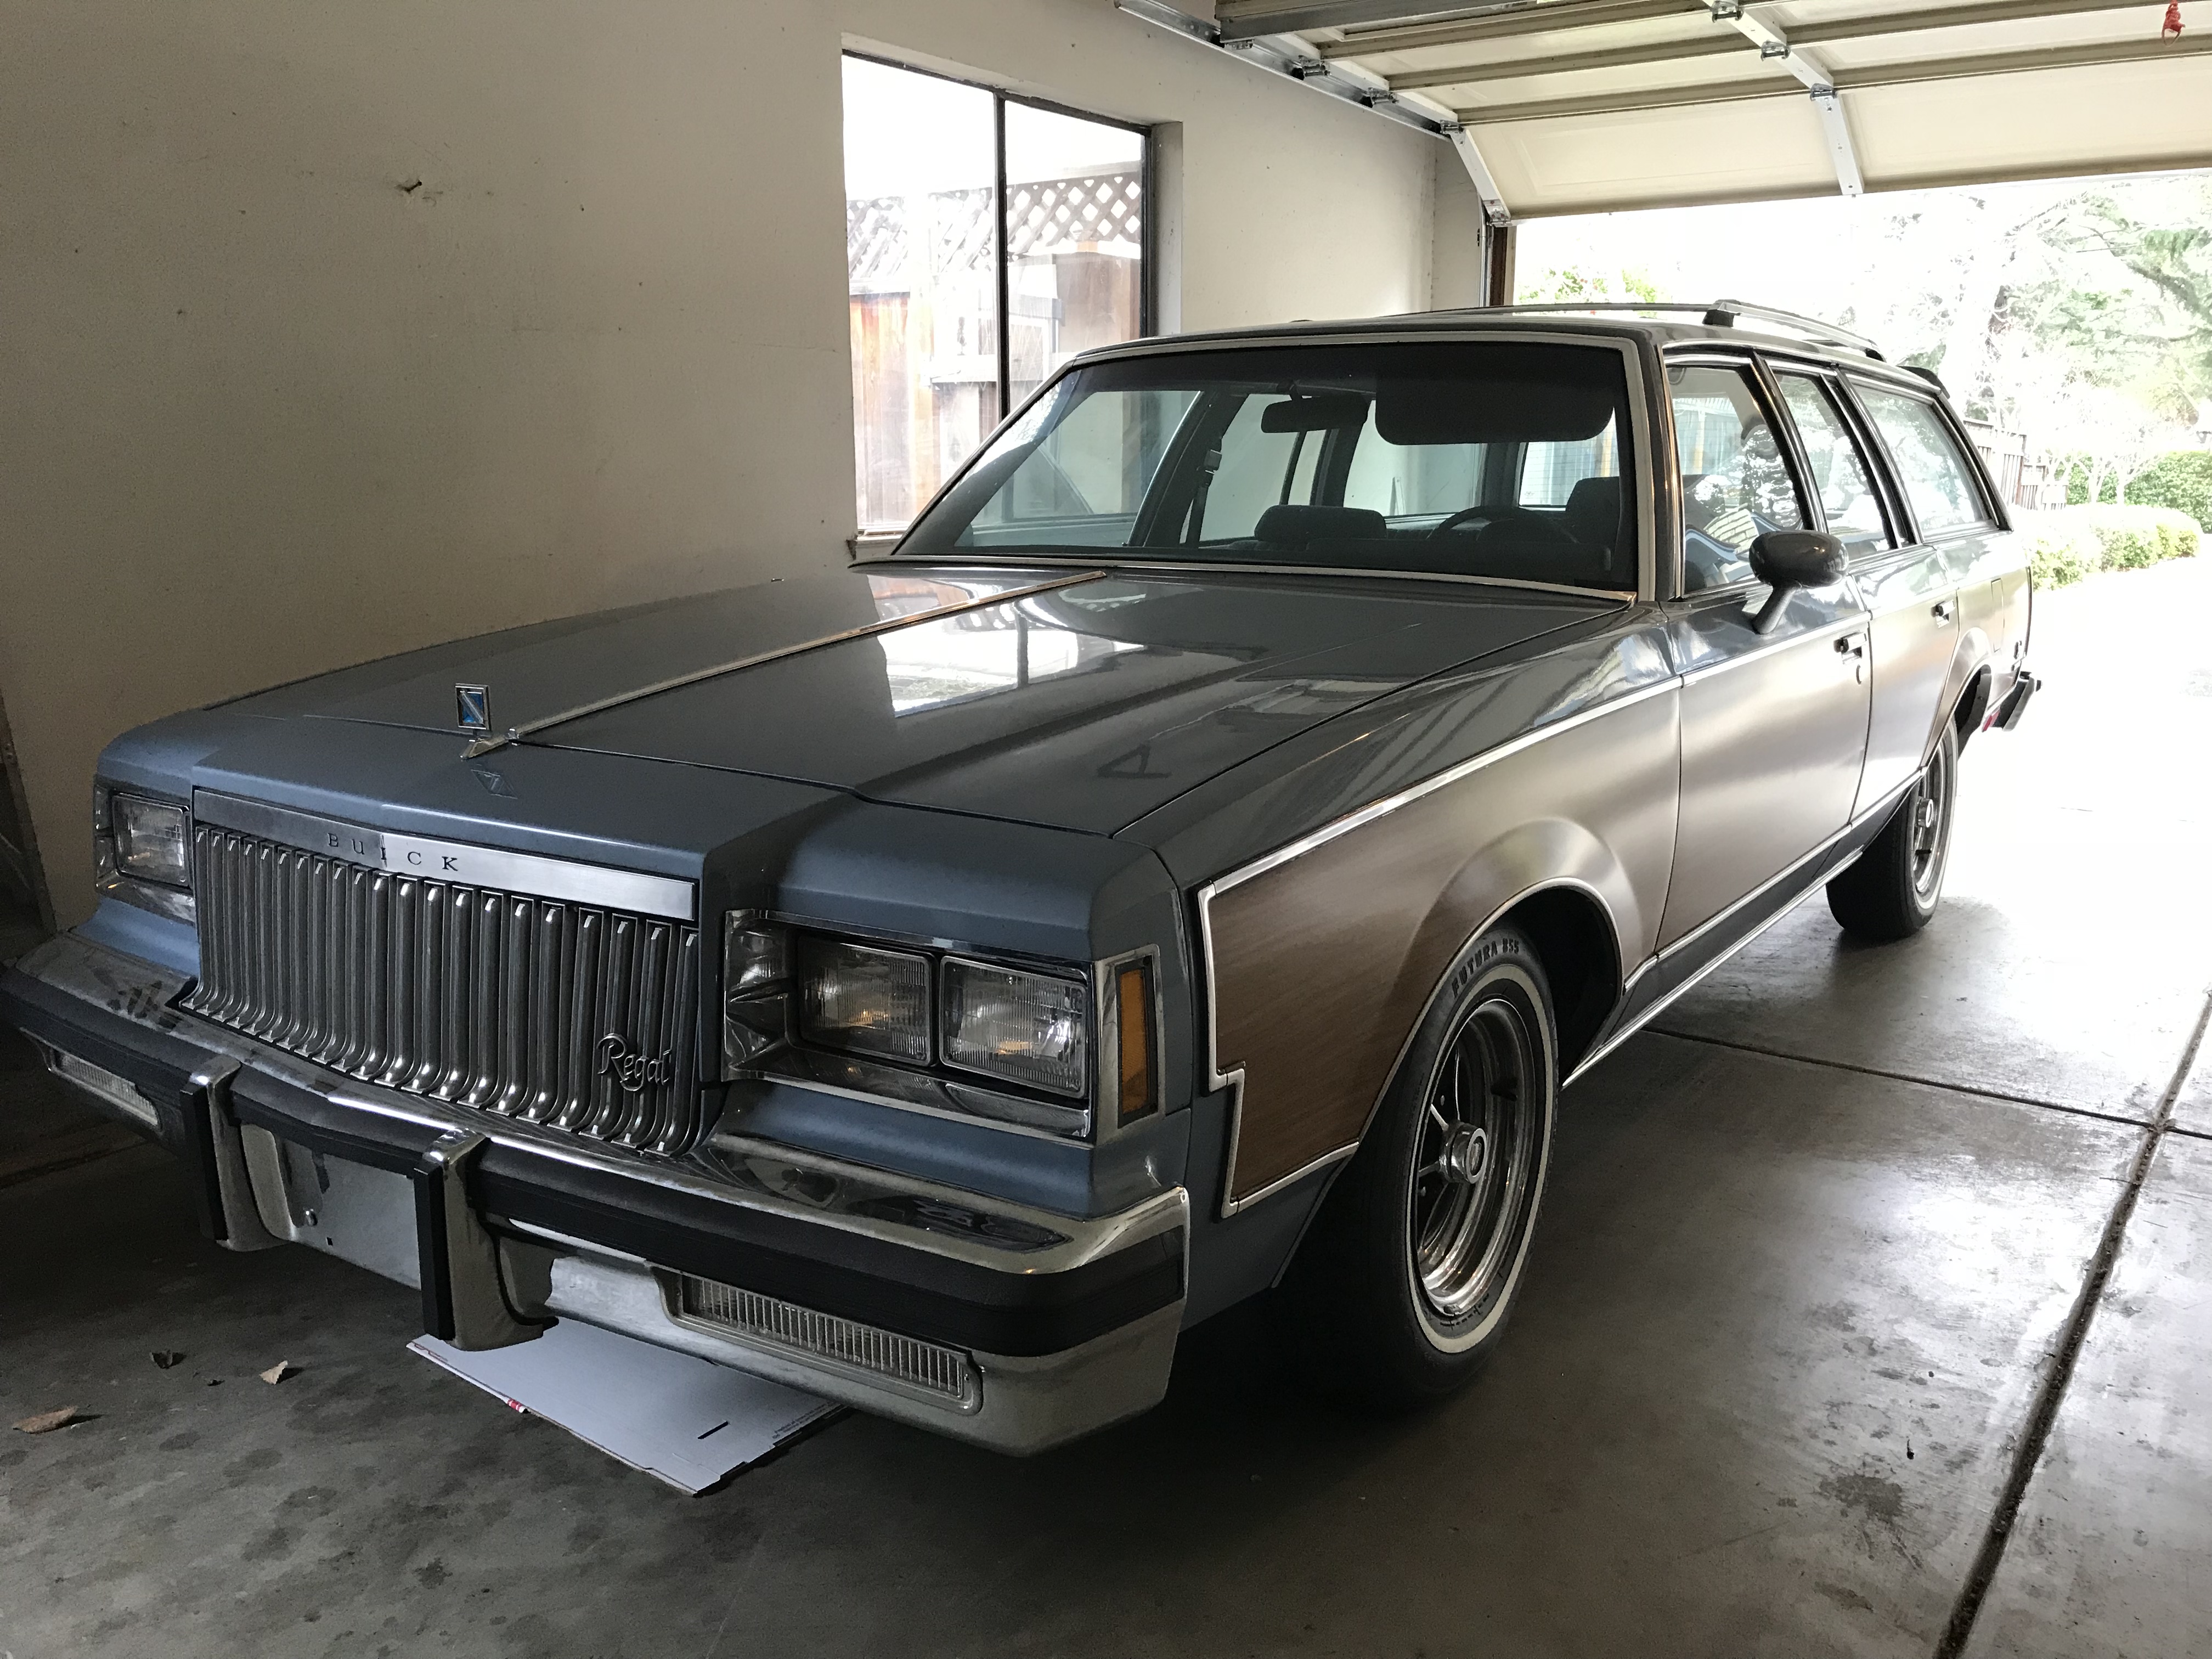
(990, 1322)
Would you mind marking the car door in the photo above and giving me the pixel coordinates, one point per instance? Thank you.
(1912, 621)
(1774, 725)
(1915, 597)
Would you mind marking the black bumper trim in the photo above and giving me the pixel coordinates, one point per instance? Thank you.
(872, 1280)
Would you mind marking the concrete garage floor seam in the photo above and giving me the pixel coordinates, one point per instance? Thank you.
(2029, 1453)
(1947, 1086)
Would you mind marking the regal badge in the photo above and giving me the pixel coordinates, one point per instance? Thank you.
(474, 706)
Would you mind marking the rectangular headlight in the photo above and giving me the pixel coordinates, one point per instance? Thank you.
(152, 840)
(1025, 1028)
(863, 999)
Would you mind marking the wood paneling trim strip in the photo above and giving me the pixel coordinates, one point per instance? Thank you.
(1259, 1164)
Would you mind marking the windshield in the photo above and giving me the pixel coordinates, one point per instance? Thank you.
(1500, 460)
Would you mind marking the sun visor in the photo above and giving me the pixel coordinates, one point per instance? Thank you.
(1503, 395)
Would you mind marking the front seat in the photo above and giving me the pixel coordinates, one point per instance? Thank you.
(1593, 512)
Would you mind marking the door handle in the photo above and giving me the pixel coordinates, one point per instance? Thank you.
(1852, 645)
(1941, 610)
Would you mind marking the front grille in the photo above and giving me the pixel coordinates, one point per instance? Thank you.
(555, 1013)
(928, 1366)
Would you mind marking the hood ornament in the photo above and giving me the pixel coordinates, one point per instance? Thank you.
(473, 707)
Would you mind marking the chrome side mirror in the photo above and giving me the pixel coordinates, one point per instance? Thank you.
(1786, 560)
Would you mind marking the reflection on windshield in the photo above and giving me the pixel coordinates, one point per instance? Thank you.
(979, 652)
(1501, 459)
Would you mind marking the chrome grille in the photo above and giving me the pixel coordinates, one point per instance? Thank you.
(557, 1013)
(928, 1366)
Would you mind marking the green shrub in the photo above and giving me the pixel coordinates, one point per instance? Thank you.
(2180, 479)
(2074, 542)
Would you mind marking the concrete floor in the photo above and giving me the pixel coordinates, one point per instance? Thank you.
(1865, 1252)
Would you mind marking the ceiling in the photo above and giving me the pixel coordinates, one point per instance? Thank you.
(1587, 106)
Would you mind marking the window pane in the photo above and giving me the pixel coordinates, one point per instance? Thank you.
(1735, 486)
(1081, 470)
(1549, 472)
(923, 295)
(1937, 480)
(1074, 233)
(1383, 456)
(1838, 467)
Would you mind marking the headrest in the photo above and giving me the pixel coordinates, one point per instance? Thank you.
(1301, 526)
(1593, 513)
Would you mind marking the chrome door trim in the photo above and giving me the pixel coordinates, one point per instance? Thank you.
(1849, 625)
(1887, 802)
(516, 734)
(456, 863)
(1218, 1080)
(1776, 880)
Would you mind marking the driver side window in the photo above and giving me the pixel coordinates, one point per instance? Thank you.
(1736, 484)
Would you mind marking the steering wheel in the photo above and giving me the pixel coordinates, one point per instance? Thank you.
(1492, 514)
(1463, 515)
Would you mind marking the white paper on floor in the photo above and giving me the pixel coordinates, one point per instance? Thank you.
(682, 1420)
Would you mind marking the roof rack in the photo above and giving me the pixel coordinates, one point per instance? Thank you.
(1723, 313)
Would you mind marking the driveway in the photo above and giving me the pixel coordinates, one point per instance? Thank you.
(1874, 1291)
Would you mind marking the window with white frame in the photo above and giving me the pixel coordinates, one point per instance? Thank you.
(987, 239)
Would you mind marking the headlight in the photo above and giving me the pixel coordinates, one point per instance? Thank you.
(863, 999)
(1025, 1028)
(152, 840)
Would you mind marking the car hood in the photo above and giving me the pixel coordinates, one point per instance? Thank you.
(1079, 700)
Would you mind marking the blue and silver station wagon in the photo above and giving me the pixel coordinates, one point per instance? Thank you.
(1190, 865)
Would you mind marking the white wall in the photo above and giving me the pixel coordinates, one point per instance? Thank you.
(266, 413)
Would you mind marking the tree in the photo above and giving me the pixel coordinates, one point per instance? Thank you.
(1571, 285)
(2153, 334)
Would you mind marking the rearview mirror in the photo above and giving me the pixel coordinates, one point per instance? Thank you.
(1315, 411)
(1786, 560)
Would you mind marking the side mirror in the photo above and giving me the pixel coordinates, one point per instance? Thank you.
(1789, 559)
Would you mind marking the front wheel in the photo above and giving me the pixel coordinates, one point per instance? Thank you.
(1891, 889)
(1403, 1288)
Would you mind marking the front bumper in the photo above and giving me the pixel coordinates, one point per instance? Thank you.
(1024, 1327)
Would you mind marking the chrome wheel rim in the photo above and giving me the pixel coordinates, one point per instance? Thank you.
(1474, 1162)
(1931, 825)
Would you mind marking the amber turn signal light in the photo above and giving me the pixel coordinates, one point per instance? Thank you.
(1133, 1004)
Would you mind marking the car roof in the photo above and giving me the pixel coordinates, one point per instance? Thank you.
(1724, 323)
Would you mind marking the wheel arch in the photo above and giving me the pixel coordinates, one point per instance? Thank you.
(1968, 682)
(1578, 944)
(1567, 891)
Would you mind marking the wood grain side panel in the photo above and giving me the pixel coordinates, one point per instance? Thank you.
(1322, 965)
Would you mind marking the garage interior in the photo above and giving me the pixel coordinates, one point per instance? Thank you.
(1869, 1310)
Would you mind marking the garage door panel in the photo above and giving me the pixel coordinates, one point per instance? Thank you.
(1771, 147)
(2112, 116)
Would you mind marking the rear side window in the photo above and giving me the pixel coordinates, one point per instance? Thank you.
(1838, 467)
(1938, 480)
(1736, 485)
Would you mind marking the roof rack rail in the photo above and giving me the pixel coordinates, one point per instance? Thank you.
(1721, 313)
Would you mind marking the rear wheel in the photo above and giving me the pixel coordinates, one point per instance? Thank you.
(1893, 890)
(1402, 1290)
